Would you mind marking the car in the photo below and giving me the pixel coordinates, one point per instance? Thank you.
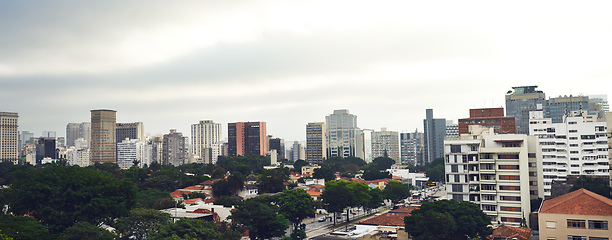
(322, 219)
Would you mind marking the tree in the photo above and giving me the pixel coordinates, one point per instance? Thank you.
(260, 217)
(189, 229)
(61, 196)
(272, 180)
(593, 184)
(373, 174)
(141, 223)
(227, 201)
(382, 163)
(376, 198)
(436, 173)
(396, 191)
(297, 165)
(296, 205)
(85, 230)
(22, 228)
(147, 198)
(324, 173)
(447, 219)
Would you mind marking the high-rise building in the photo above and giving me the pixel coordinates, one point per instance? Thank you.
(601, 100)
(315, 142)
(24, 136)
(499, 172)
(128, 151)
(103, 136)
(577, 146)
(277, 144)
(203, 136)
(411, 148)
(247, 138)
(560, 106)
(434, 133)
(344, 138)
(9, 137)
(297, 152)
(133, 130)
(386, 144)
(79, 154)
(452, 130)
(522, 100)
(174, 148)
(491, 118)
(45, 148)
(75, 131)
(49, 134)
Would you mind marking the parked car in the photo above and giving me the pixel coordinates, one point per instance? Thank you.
(322, 219)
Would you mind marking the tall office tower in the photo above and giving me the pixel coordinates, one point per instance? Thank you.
(133, 130)
(411, 148)
(175, 150)
(103, 136)
(85, 132)
(559, 106)
(386, 144)
(128, 151)
(577, 146)
(499, 172)
(8, 137)
(45, 148)
(247, 138)
(49, 134)
(277, 144)
(203, 136)
(315, 142)
(25, 136)
(344, 138)
(520, 101)
(452, 130)
(489, 117)
(72, 133)
(435, 131)
(297, 152)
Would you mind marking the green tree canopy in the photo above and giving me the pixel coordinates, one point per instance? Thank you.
(190, 229)
(272, 180)
(324, 173)
(61, 196)
(593, 184)
(253, 161)
(85, 230)
(147, 198)
(447, 219)
(382, 163)
(297, 165)
(337, 195)
(373, 174)
(376, 198)
(260, 217)
(169, 180)
(296, 205)
(396, 191)
(141, 223)
(22, 228)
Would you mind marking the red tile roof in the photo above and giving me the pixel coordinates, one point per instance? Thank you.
(193, 188)
(210, 182)
(579, 202)
(209, 200)
(192, 201)
(387, 219)
(405, 210)
(179, 193)
(520, 233)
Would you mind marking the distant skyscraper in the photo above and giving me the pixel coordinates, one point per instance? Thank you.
(520, 101)
(8, 137)
(386, 144)
(247, 138)
(45, 148)
(49, 134)
(435, 131)
(75, 131)
(174, 148)
(411, 148)
(103, 136)
(559, 106)
(24, 136)
(452, 130)
(315, 142)
(133, 130)
(490, 118)
(277, 144)
(297, 152)
(128, 151)
(344, 138)
(204, 136)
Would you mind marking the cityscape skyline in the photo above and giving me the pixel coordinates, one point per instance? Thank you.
(288, 64)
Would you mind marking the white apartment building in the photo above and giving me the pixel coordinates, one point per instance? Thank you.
(386, 143)
(344, 138)
(9, 137)
(578, 146)
(79, 153)
(205, 137)
(129, 150)
(499, 172)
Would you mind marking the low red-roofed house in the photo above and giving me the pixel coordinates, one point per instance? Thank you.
(193, 201)
(509, 233)
(390, 225)
(581, 214)
(178, 194)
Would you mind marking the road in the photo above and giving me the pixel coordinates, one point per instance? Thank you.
(315, 228)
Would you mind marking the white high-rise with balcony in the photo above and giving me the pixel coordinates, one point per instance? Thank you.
(205, 137)
(386, 144)
(344, 138)
(578, 146)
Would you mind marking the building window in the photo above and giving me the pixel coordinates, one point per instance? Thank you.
(598, 238)
(508, 167)
(510, 209)
(455, 148)
(508, 156)
(489, 208)
(593, 224)
(509, 219)
(570, 237)
(551, 224)
(573, 223)
(509, 177)
(513, 198)
(510, 188)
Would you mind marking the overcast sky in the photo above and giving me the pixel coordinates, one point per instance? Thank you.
(288, 63)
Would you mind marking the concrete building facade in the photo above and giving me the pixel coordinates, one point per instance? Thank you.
(522, 100)
(9, 139)
(489, 117)
(386, 144)
(133, 130)
(344, 138)
(434, 133)
(204, 135)
(174, 148)
(316, 148)
(411, 148)
(500, 173)
(277, 144)
(247, 138)
(103, 136)
(128, 151)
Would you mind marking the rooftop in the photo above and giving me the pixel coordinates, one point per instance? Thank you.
(579, 202)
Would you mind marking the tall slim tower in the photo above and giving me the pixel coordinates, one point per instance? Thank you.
(9, 137)
(315, 142)
(435, 131)
(103, 136)
(344, 138)
(174, 148)
(203, 136)
(247, 138)
(72, 133)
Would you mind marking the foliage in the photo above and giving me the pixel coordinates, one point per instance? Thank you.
(376, 198)
(61, 196)
(382, 163)
(137, 175)
(168, 181)
(297, 165)
(272, 180)
(221, 188)
(4, 236)
(341, 194)
(22, 228)
(298, 234)
(147, 198)
(253, 161)
(447, 219)
(187, 228)
(296, 205)
(593, 184)
(344, 165)
(324, 173)
(85, 230)
(260, 217)
(141, 223)
(227, 201)
(373, 174)
(435, 170)
(165, 203)
(111, 168)
(396, 191)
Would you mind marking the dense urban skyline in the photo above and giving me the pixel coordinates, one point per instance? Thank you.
(288, 64)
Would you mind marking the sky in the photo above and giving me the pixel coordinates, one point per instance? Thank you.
(287, 63)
